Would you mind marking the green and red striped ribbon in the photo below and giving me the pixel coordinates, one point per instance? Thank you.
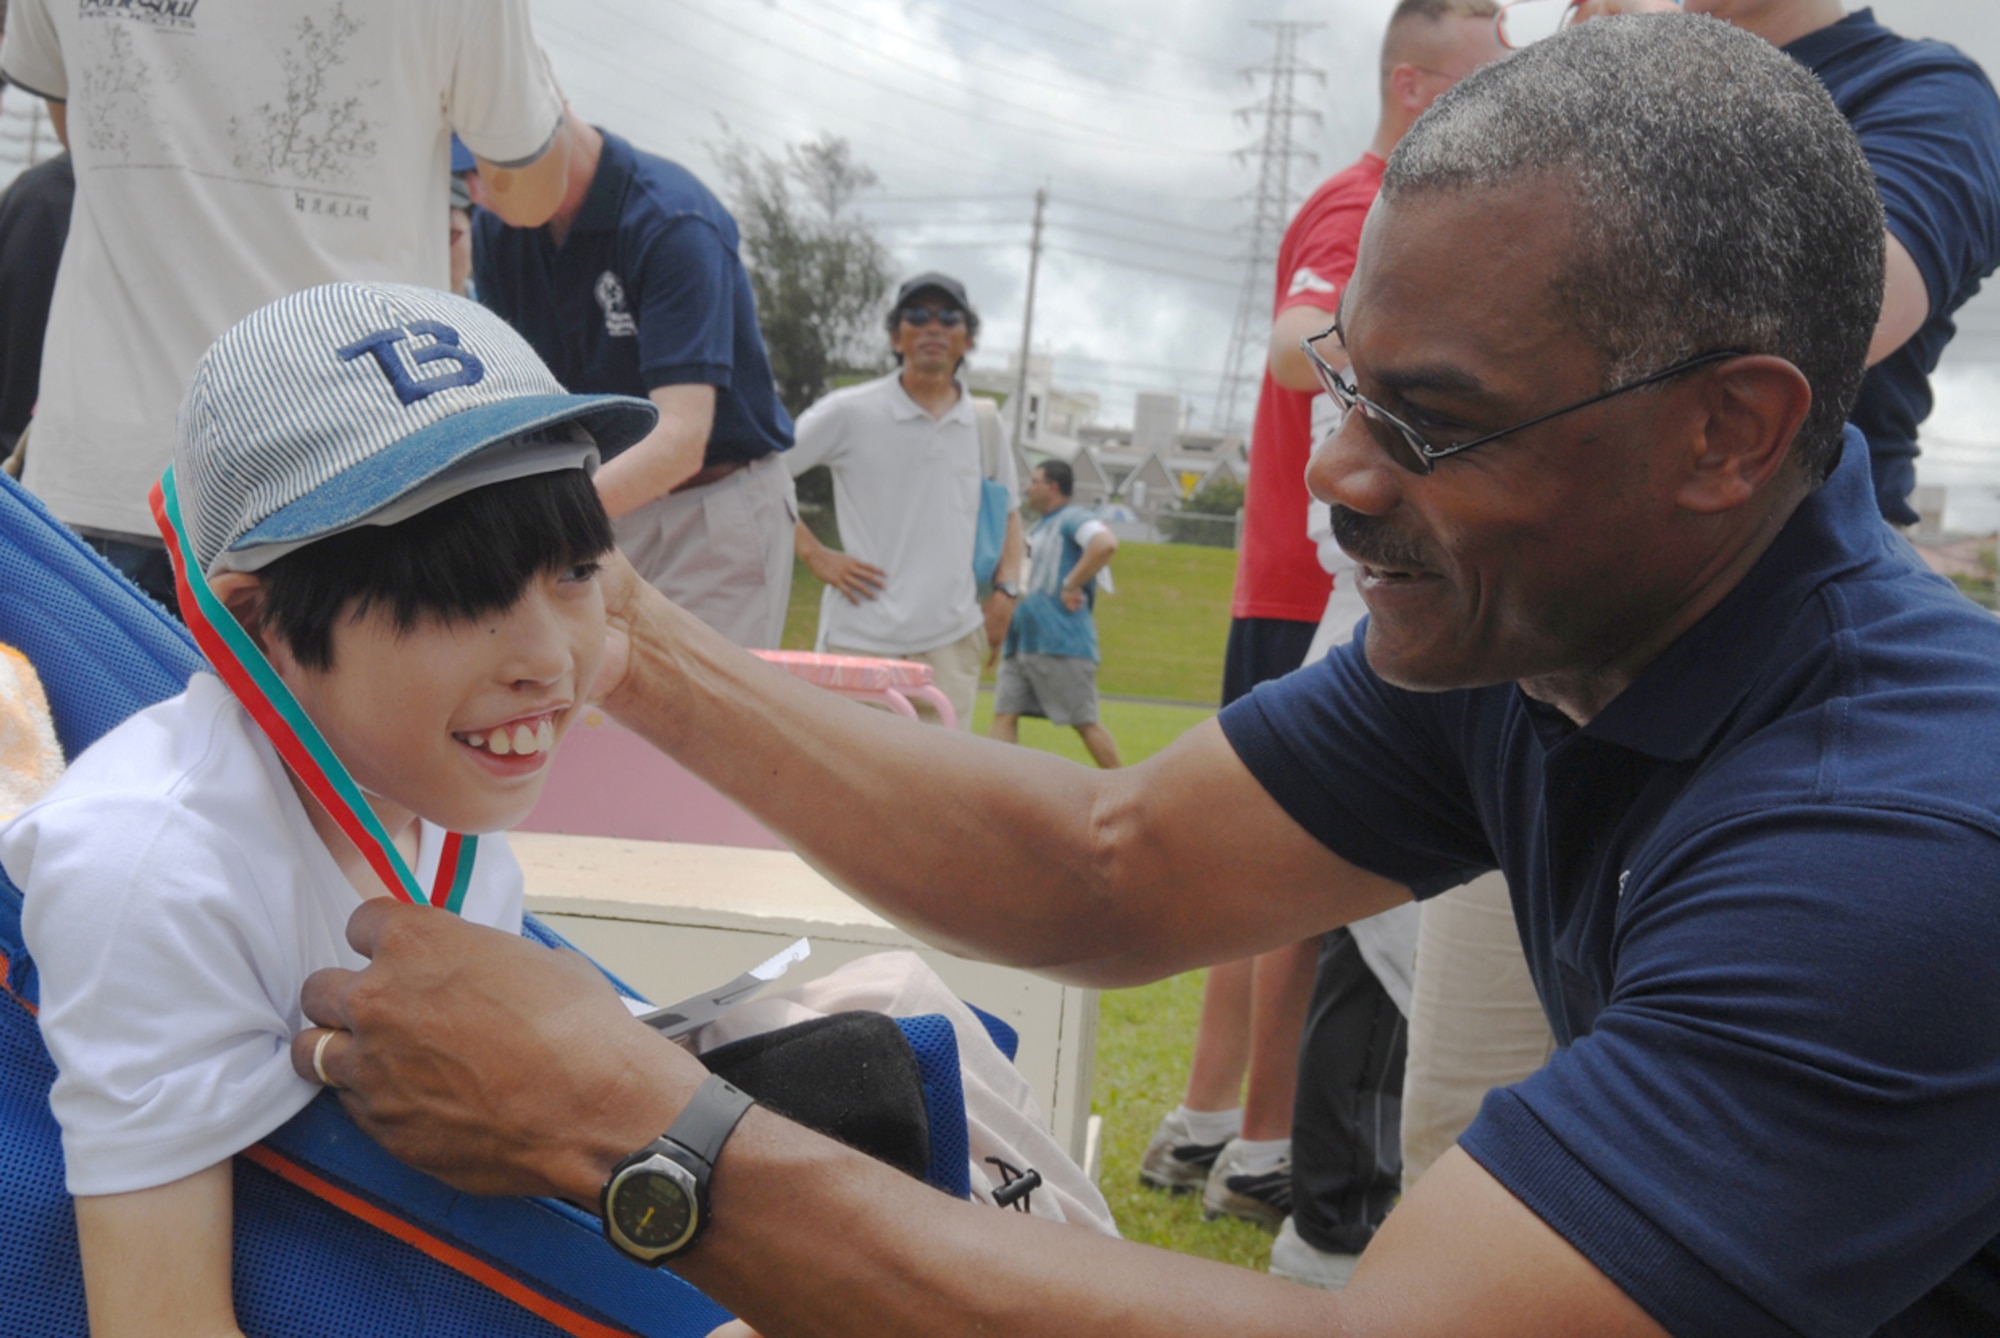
(271, 704)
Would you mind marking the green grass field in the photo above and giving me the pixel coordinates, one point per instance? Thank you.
(1162, 636)
(1144, 1035)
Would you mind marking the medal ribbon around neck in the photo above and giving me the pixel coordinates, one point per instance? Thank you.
(271, 704)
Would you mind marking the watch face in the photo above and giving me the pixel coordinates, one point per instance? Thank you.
(652, 1205)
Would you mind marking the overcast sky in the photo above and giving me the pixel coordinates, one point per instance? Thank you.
(1124, 110)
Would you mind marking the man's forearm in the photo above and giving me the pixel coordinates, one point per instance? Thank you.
(1013, 551)
(865, 1250)
(1094, 558)
(1006, 854)
(666, 457)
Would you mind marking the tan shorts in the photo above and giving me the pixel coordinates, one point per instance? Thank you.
(954, 670)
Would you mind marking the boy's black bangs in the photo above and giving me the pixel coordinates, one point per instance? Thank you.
(465, 558)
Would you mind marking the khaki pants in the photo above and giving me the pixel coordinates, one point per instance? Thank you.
(1476, 1022)
(723, 552)
(954, 669)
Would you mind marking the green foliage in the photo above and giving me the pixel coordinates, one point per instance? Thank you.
(1218, 497)
(819, 273)
(1196, 522)
(1144, 1039)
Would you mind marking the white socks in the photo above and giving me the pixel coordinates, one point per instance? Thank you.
(1211, 1126)
(1261, 1156)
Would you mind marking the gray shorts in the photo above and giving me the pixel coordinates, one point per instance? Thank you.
(1061, 688)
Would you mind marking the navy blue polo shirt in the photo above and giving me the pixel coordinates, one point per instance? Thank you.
(1760, 897)
(1929, 123)
(645, 291)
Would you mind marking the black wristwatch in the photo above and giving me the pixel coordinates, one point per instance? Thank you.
(1009, 589)
(655, 1204)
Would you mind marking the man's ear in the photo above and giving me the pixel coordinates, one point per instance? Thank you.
(1406, 87)
(242, 593)
(1752, 409)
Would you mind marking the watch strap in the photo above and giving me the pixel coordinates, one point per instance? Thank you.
(710, 1117)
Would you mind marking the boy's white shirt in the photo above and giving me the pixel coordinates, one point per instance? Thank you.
(175, 898)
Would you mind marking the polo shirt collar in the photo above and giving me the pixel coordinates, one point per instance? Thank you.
(1820, 45)
(604, 202)
(1677, 705)
(902, 407)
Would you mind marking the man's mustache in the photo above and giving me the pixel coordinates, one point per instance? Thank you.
(1368, 539)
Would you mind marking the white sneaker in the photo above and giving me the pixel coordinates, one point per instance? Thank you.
(1293, 1258)
(1263, 1197)
(1173, 1160)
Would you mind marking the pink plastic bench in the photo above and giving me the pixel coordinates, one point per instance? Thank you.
(607, 781)
(889, 683)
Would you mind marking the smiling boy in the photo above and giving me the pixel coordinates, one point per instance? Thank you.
(386, 538)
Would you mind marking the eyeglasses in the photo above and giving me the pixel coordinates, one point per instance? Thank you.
(949, 317)
(1522, 23)
(1409, 448)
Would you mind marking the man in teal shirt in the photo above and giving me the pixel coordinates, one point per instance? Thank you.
(1049, 664)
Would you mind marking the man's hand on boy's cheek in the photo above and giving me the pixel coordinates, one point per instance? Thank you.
(622, 588)
(486, 1060)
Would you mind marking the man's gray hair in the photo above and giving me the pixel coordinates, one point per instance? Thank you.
(1720, 200)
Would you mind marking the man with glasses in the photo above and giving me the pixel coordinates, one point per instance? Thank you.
(635, 287)
(908, 452)
(1646, 646)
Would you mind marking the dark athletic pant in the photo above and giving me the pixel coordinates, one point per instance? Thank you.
(1347, 1149)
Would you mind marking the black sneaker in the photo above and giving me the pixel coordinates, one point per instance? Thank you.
(1264, 1197)
(1173, 1160)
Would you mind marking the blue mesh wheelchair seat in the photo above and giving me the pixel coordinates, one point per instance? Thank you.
(333, 1236)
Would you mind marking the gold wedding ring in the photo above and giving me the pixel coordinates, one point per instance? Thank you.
(319, 1058)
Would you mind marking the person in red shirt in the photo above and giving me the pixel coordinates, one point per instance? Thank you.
(1339, 1090)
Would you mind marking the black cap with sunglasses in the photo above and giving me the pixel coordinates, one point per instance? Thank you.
(951, 302)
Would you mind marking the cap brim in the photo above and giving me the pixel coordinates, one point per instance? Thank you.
(350, 497)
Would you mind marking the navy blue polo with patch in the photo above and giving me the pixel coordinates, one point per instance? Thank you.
(1929, 123)
(645, 291)
(1760, 897)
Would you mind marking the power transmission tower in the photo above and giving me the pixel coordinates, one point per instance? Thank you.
(1271, 203)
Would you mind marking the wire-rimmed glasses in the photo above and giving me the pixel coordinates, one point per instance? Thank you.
(1523, 22)
(1416, 453)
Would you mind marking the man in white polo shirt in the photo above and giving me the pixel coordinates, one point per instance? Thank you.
(907, 466)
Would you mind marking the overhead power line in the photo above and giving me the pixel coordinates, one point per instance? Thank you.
(1118, 41)
(1129, 239)
(1097, 86)
(1150, 218)
(983, 115)
(1122, 263)
(899, 147)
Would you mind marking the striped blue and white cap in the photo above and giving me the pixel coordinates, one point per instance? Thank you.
(363, 403)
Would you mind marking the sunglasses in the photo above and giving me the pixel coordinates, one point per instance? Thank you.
(949, 317)
(1416, 453)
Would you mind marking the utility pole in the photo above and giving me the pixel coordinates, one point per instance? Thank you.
(1028, 319)
(1271, 204)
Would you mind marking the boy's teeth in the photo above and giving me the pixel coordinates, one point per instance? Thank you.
(522, 740)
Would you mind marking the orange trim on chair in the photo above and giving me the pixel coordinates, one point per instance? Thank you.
(7, 985)
(450, 1256)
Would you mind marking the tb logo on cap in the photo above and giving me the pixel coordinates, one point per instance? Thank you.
(401, 356)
